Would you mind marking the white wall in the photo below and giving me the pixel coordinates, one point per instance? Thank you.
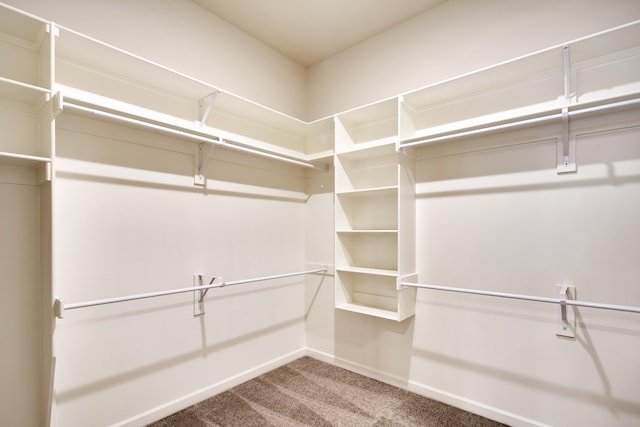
(129, 220)
(454, 38)
(183, 36)
(502, 219)
(20, 314)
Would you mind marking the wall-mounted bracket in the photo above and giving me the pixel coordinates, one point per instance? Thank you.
(566, 320)
(57, 103)
(204, 108)
(58, 308)
(566, 150)
(204, 151)
(198, 297)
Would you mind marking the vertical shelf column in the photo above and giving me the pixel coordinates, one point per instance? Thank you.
(374, 214)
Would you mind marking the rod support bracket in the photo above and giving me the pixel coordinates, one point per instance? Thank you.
(566, 320)
(58, 308)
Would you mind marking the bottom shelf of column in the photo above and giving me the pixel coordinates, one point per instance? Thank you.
(375, 294)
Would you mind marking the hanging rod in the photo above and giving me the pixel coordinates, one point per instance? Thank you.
(61, 306)
(200, 138)
(560, 301)
(520, 123)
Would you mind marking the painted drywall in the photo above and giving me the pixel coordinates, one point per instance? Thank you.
(502, 219)
(129, 220)
(186, 37)
(454, 38)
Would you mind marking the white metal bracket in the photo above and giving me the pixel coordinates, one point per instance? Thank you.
(58, 308)
(204, 107)
(204, 151)
(198, 297)
(566, 320)
(57, 103)
(566, 157)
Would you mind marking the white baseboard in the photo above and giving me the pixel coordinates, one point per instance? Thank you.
(469, 405)
(183, 402)
(479, 408)
(358, 368)
(473, 406)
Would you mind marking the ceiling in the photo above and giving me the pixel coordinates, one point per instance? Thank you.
(309, 31)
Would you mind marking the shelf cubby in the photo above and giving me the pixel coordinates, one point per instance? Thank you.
(371, 126)
(375, 209)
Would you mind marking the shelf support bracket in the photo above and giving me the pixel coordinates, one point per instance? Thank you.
(566, 146)
(204, 107)
(202, 158)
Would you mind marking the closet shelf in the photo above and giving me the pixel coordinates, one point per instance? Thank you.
(366, 231)
(386, 191)
(100, 71)
(22, 159)
(369, 271)
(22, 92)
(104, 108)
(369, 311)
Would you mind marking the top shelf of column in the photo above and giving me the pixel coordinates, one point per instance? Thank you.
(599, 69)
(25, 46)
(95, 74)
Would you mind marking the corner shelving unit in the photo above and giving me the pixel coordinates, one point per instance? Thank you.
(374, 214)
(26, 152)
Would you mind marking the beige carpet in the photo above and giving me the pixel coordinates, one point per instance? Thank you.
(307, 392)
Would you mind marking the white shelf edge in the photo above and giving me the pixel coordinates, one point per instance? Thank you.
(368, 231)
(478, 123)
(363, 146)
(89, 100)
(370, 311)
(369, 271)
(22, 159)
(366, 192)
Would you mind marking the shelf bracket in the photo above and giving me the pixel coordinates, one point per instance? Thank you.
(204, 107)
(204, 151)
(566, 321)
(566, 145)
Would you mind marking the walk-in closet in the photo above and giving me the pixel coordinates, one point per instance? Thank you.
(446, 209)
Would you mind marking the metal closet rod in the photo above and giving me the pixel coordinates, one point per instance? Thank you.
(520, 123)
(61, 306)
(560, 301)
(220, 141)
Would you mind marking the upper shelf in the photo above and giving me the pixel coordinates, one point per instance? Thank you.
(95, 73)
(598, 69)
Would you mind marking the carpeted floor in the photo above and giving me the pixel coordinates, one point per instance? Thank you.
(307, 392)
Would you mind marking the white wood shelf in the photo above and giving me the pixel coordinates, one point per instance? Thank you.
(103, 76)
(370, 271)
(390, 190)
(367, 231)
(24, 93)
(369, 311)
